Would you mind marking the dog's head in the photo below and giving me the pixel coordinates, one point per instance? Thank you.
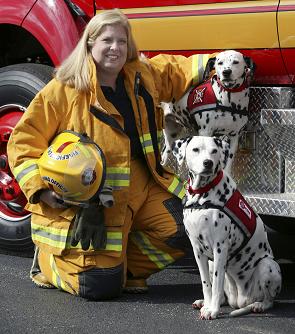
(232, 68)
(203, 155)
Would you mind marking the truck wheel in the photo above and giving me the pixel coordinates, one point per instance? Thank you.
(18, 85)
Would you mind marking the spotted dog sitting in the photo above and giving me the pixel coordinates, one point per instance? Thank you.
(223, 228)
(218, 107)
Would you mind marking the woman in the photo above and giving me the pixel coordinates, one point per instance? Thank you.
(104, 90)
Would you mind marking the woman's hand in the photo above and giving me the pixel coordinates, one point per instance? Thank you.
(52, 199)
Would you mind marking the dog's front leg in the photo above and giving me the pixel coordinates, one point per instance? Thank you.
(218, 275)
(202, 262)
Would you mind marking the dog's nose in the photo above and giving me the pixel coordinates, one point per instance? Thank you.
(227, 72)
(208, 163)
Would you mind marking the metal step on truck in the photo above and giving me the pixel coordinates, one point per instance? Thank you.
(36, 35)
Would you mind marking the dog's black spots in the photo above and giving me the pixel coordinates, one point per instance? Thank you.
(247, 268)
(229, 236)
(220, 215)
(216, 223)
(222, 198)
(246, 285)
(225, 185)
(247, 250)
(256, 263)
(218, 250)
(216, 273)
(179, 144)
(227, 179)
(234, 118)
(226, 191)
(216, 169)
(205, 195)
(200, 237)
(225, 227)
(265, 247)
(241, 277)
(204, 126)
(173, 100)
(244, 264)
(260, 245)
(218, 193)
(231, 155)
(218, 244)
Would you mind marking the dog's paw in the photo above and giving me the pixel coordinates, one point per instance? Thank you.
(208, 314)
(198, 304)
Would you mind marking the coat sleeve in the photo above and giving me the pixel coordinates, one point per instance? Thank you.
(174, 74)
(28, 141)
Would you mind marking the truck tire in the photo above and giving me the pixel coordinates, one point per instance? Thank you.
(18, 85)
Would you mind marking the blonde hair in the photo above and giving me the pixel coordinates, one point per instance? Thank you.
(75, 70)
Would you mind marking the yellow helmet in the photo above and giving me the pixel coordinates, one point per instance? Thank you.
(74, 167)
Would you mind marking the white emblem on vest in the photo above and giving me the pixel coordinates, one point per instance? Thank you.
(198, 96)
(244, 208)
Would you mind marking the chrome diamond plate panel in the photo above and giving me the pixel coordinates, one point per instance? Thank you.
(279, 124)
(273, 204)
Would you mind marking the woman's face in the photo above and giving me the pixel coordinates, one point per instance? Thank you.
(109, 50)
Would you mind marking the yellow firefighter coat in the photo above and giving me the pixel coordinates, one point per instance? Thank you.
(59, 107)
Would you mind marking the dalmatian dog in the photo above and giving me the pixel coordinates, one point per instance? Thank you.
(218, 107)
(229, 241)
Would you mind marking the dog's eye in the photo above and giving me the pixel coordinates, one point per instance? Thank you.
(196, 149)
(214, 151)
(235, 62)
(220, 63)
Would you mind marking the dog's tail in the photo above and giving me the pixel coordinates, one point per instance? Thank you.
(242, 311)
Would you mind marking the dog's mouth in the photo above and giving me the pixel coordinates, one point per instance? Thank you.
(207, 172)
(228, 83)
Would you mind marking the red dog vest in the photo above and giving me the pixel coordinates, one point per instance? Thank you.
(241, 213)
(202, 98)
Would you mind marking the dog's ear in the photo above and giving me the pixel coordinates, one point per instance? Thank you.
(250, 66)
(224, 147)
(210, 66)
(179, 148)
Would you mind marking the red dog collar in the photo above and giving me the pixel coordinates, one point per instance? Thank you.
(207, 187)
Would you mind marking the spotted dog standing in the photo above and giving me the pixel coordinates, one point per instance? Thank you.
(223, 228)
(218, 107)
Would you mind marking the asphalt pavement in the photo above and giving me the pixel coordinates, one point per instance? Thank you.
(25, 308)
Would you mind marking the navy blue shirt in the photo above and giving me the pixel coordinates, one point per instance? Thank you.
(120, 99)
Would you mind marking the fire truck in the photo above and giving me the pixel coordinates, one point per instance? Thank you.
(36, 35)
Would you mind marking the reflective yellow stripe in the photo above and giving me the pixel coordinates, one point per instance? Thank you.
(56, 279)
(25, 171)
(60, 238)
(146, 142)
(28, 176)
(177, 188)
(198, 67)
(159, 258)
(118, 177)
(23, 166)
